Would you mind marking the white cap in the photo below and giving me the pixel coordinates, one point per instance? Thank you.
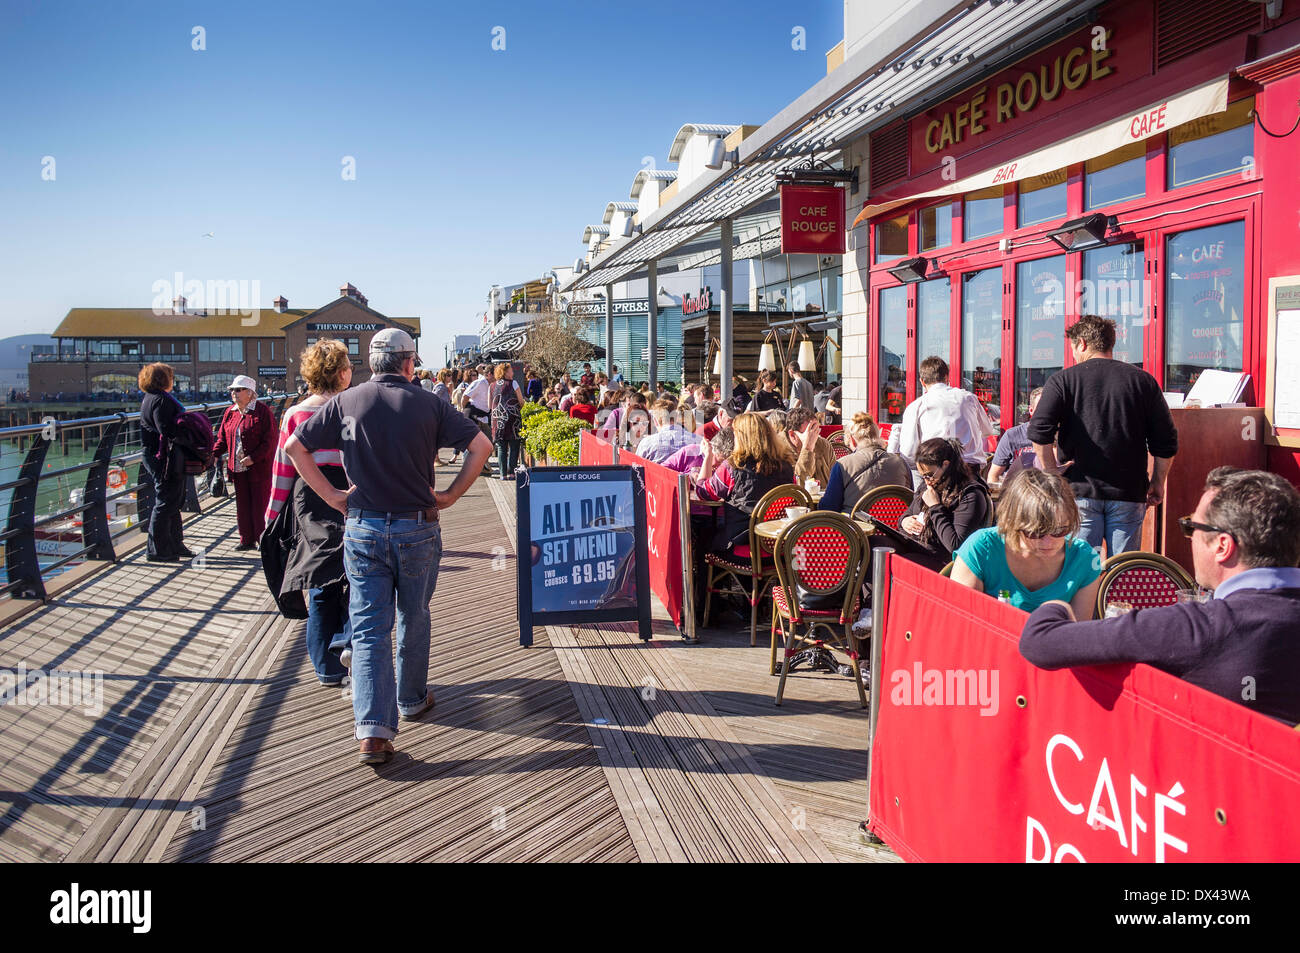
(243, 381)
(392, 341)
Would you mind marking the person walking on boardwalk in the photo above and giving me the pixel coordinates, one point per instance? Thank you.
(390, 431)
(246, 437)
(163, 464)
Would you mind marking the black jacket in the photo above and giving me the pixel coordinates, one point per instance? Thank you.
(303, 547)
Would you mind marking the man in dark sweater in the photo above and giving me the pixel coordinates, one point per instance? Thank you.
(1244, 644)
(1106, 415)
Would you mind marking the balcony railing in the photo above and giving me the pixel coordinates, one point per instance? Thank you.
(90, 511)
(81, 357)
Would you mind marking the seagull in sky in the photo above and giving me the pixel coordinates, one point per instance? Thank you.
(209, 235)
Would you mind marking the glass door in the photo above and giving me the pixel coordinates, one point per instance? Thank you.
(1040, 326)
(981, 338)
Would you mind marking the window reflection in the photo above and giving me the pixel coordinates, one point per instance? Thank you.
(982, 214)
(981, 338)
(935, 225)
(1204, 300)
(891, 239)
(893, 354)
(1113, 285)
(1042, 198)
(933, 320)
(1116, 177)
(1040, 326)
(1212, 145)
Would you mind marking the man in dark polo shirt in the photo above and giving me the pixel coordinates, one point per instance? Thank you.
(1243, 643)
(1106, 415)
(390, 431)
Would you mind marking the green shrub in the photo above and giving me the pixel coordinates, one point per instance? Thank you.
(529, 409)
(564, 453)
(554, 430)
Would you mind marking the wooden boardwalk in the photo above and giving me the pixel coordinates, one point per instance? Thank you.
(216, 743)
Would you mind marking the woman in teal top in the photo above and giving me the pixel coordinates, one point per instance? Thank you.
(1033, 553)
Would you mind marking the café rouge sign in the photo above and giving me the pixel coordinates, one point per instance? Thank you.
(991, 105)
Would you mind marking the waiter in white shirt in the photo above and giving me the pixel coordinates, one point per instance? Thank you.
(941, 411)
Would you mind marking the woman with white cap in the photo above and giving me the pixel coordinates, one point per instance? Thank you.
(247, 437)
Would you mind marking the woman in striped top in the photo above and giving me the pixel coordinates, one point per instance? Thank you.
(316, 564)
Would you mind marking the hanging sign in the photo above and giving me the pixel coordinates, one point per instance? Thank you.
(812, 220)
(582, 549)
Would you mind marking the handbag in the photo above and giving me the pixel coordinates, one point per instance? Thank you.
(217, 485)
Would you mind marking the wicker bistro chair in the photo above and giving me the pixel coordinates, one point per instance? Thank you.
(821, 562)
(840, 448)
(884, 504)
(760, 572)
(1147, 580)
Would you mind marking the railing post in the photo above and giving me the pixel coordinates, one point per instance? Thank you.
(143, 495)
(879, 583)
(94, 518)
(21, 563)
(688, 558)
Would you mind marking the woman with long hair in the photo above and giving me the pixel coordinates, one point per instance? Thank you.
(163, 463)
(506, 402)
(315, 564)
(1034, 554)
(953, 505)
(759, 462)
(767, 396)
(867, 467)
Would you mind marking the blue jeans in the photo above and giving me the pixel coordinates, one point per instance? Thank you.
(392, 566)
(1118, 523)
(328, 631)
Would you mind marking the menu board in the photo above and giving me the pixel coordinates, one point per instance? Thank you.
(582, 547)
(1284, 384)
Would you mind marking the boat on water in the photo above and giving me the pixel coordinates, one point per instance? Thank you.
(64, 538)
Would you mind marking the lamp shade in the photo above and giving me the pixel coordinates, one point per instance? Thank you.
(833, 356)
(717, 362)
(766, 357)
(807, 356)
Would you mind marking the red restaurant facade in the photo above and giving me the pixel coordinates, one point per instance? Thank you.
(1172, 125)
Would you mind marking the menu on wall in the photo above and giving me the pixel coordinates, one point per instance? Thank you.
(1286, 356)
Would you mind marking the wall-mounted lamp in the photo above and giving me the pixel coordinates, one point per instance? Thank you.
(718, 154)
(910, 270)
(1090, 231)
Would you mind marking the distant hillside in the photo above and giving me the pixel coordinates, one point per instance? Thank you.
(15, 353)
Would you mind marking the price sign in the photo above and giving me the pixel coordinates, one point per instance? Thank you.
(582, 547)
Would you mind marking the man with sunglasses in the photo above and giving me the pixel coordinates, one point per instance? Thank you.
(1244, 643)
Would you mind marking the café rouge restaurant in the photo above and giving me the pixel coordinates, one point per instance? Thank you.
(1143, 167)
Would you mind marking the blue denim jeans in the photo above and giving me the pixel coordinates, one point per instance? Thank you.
(392, 567)
(1118, 523)
(328, 631)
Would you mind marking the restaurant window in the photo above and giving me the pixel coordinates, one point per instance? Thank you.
(981, 338)
(1042, 198)
(934, 225)
(892, 315)
(1211, 146)
(891, 239)
(1113, 286)
(221, 349)
(1116, 177)
(982, 215)
(1040, 326)
(1204, 301)
(934, 320)
(354, 346)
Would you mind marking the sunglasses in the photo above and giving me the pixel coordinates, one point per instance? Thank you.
(1188, 526)
(1059, 533)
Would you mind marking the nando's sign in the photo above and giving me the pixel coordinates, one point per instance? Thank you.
(702, 302)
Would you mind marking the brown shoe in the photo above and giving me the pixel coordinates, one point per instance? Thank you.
(376, 751)
(428, 703)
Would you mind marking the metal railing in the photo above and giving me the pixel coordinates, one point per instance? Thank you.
(117, 448)
(95, 357)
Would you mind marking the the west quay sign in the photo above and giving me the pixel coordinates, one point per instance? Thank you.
(365, 326)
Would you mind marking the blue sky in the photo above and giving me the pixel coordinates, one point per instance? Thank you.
(473, 166)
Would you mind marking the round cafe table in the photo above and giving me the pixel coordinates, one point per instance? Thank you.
(771, 529)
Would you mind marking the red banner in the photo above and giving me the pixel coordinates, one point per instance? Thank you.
(663, 534)
(592, 451)
(980, 756)
(812, 220)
